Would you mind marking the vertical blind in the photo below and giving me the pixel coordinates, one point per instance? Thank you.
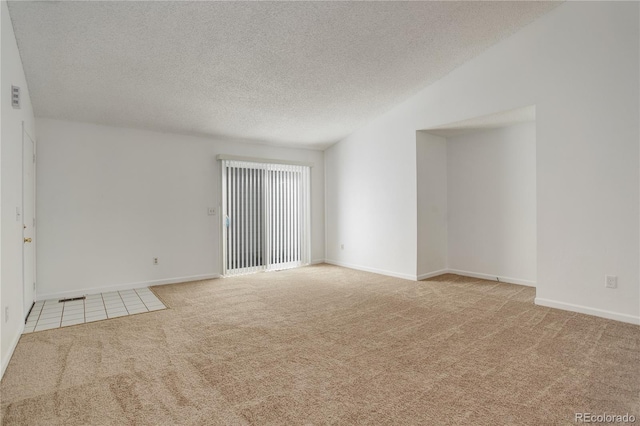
(266, 216)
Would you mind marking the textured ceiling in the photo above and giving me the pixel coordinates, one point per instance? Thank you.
(289, 73)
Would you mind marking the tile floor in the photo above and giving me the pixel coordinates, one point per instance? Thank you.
(47, 314)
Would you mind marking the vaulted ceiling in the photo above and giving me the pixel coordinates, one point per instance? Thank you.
(291, 73)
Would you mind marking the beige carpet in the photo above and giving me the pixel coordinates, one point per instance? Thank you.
(328, 345)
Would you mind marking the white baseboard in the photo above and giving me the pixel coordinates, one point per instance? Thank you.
(509, 280)
(432, 274)
(317, 261)
(128, 286)
(12, 348)
(374, 270)
(587, 310)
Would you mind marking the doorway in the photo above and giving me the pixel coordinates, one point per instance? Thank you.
(265, 208)
(29, 220)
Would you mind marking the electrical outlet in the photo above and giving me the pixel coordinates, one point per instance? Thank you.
(611, 281)
(341, 246)
(155, 260)
(212, 211)
(6, 314)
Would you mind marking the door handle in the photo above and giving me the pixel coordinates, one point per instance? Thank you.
(27, 240)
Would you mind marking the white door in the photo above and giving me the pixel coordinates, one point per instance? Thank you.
(29, 220)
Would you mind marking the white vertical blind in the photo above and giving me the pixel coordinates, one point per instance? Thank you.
(266, 216)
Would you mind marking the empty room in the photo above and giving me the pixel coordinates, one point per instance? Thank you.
(301, 213)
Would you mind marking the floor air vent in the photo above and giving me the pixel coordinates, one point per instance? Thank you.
(71, 299)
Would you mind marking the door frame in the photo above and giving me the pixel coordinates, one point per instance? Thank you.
(25, 135)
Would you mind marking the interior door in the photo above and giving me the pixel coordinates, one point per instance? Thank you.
(29, 221)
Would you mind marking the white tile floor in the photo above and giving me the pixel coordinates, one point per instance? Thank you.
(47, 314)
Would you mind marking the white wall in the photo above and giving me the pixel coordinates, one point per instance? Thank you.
(11, 291)
(431, 160)
(111, 199)
(579, 65)
(367, 209)
(491, 195)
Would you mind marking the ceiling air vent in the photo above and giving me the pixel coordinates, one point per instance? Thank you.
(15, 97)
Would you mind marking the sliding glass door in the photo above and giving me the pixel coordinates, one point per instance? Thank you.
(265, 216)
